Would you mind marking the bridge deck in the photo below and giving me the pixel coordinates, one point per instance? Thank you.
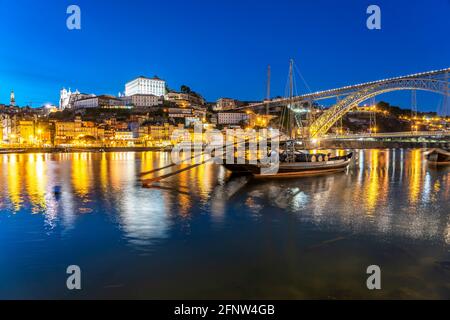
(407, 134)
(325, 94)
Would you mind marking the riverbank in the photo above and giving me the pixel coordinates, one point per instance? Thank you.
(84, 149)
(339, 144)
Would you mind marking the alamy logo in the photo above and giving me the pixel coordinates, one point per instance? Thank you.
(73, 21)
(374, 20)
(374, 280)
(235, 146)
(74, 280)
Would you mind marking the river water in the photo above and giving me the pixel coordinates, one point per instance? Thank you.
(204, 234)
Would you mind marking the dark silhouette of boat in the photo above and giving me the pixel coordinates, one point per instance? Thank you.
(304, 164)
(438, 156)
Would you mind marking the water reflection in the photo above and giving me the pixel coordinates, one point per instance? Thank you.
(387, 192)
(389, 208)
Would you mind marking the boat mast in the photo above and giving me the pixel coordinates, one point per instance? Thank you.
(268, 89)
(289, 111)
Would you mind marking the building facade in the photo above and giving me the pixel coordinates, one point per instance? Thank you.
(67, 98)
(103, 101)
(144, 85)
(142, 100)
(227, 104)
(185, 100)
(67, 131)
(233, 118)
(23, 132)
(5, 127)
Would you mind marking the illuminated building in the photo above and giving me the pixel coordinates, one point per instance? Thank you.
(24, 131)
(232, 117)
(142, 100)
(144, 85)
(185, 100)
(224, 104)
(12, 100)
(66, 131)
(67, 99)
(102, 101)
(5, 127)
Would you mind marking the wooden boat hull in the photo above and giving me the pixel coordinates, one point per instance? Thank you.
(438, 157)
(293, 169)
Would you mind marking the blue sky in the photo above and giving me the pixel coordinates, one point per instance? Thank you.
(218, 48)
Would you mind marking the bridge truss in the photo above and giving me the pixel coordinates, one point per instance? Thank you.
(350, 96)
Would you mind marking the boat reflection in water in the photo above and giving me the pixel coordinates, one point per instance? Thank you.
(221, 236)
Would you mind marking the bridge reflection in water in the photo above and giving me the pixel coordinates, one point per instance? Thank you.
(387, 200)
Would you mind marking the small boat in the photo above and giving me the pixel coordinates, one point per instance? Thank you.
(438, 156)
(57, 189)
(292, 162)
(305, 164)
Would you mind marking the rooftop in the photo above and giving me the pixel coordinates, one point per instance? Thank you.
(144, 77)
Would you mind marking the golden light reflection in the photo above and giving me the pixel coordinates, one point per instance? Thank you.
(365, 195)
(36, 181)
(14, 187)
(104, 172)
(80, 172)
(147, 159)
(373, 186)
(415, 176)
(184, 200)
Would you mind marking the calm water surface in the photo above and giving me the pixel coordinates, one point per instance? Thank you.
(204, 234)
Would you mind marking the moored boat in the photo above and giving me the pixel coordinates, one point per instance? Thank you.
(438, 156)
(286, 169)
(289, 161)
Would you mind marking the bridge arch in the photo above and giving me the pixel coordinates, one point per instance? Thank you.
(324, 123)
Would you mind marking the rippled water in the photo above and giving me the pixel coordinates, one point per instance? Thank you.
(204, 234)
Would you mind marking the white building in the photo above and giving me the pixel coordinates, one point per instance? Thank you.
(231, 117)
(67, 98)
(103, 101)
(144, 85)
(5, 127)
(142, 100)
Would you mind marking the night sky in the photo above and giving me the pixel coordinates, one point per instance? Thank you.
(218, 48)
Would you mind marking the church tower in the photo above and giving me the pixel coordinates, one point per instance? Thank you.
(12, 99)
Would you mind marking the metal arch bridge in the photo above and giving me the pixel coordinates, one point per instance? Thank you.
(434, 81)
(391, 135)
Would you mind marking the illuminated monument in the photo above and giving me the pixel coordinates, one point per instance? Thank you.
(12, 99)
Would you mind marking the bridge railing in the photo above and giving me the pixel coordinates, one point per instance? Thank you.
(389, 135)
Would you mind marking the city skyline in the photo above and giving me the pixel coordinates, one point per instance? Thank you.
(219, 50)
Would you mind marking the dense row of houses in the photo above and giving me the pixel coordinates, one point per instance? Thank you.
(41, 132)
(142, 97)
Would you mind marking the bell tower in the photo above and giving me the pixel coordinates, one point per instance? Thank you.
(12, 99)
